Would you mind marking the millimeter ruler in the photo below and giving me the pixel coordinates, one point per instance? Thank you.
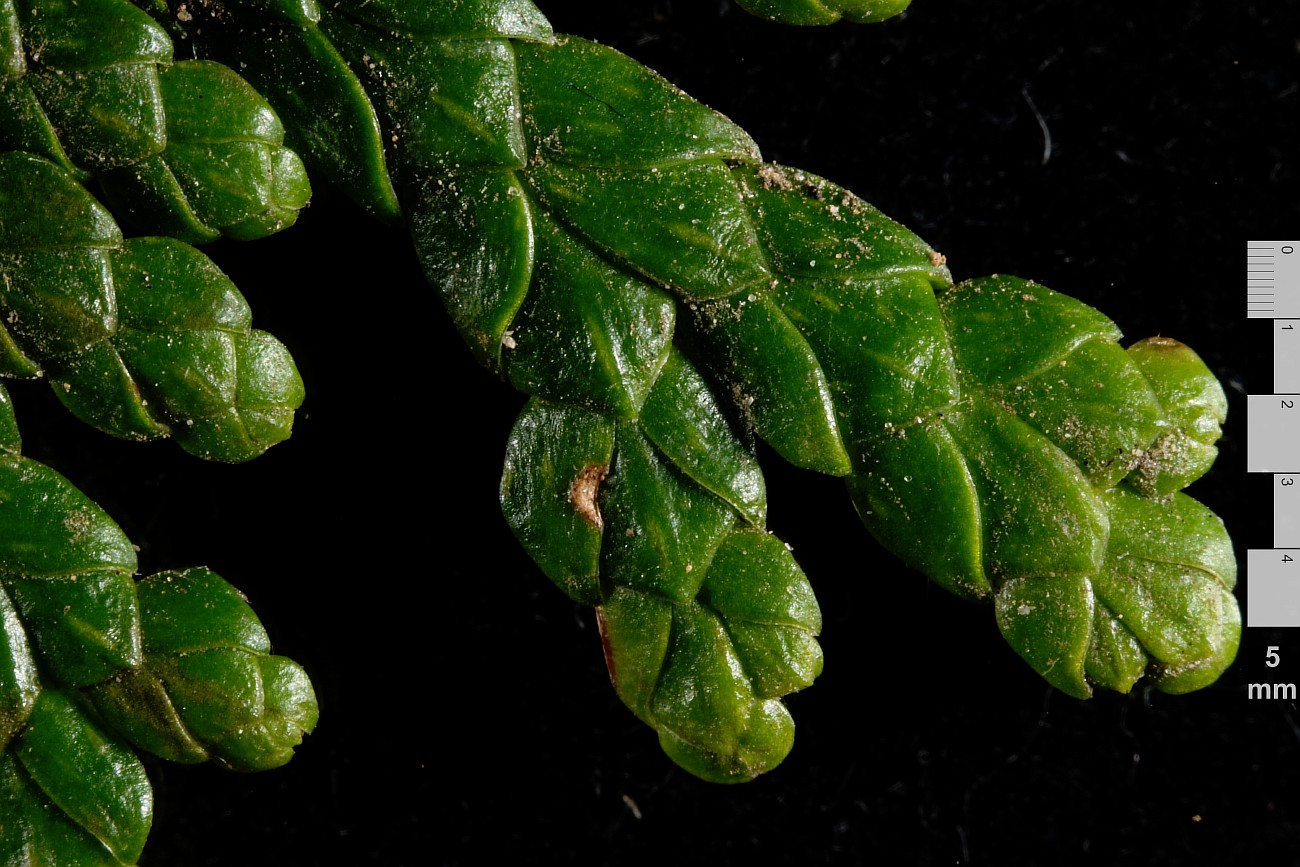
(1273, 432)
(1273, 279)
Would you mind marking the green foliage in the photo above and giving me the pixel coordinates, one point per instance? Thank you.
(142, 338)
(825, 11)
(621, 254)
(208, 687)
(186, 150)
(176, 664)
(619, 251)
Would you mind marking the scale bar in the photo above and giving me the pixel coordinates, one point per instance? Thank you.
(1273, 280)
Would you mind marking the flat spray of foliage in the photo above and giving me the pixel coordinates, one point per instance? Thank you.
(621, 254)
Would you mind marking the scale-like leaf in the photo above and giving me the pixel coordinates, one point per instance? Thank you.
(824, 11)
(224, 169)
(208, 687)
(88, 774)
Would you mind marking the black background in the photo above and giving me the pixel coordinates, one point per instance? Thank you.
(466, 713)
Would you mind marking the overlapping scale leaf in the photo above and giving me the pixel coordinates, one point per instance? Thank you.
(586, 332)
(1193, 406)
(66, 594)
(556, 461)
(981, 458)
(88, 94)
(34, 830)
(88, 774)
(706, 673)
(188, 150)
(447, 104)
(208, 687)
(1041, 426)
(707, 621)
(225, 169)
(683, 225)
(475, 239)
(775, 378)
(461, 19)
(10, 440)
(12, 61)
(1161, 603)
(587, 105)
(184, 668)
(688, 425)
(329, 119)
(1169, 574)
(805, 12)
(141, 338)
(21, 683)
(601, 482)
(52, 528)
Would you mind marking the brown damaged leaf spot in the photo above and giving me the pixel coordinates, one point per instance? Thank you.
(583, 493)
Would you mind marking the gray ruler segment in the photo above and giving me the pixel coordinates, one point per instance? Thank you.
(1273, 279)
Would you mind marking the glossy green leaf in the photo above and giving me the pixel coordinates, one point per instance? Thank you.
(90, 34)
(1169, 574)
(141, 338)
(441, 97)
(586, 105)
(21, 683)
(1038, 514)
(565, 202)
(662, 529)
(686, 423)
(1048, 621)
(805, 12)
(51, 528)
(330, 120)
(35, 831)
(463, 19)
(12, 62)
(104, 117)
(208, 687)
(224, 169)
(44, 211)
(1096, 406)
(1161, 604)
(768, 610)
(476, 244)
(586, 333)
(88, 774)
(556, 462)
(691, 603)
(85, 627)
(24, 125)
(706, 673)
(1193, 405)
(776, 380)
(682, 226)
(66, 596)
